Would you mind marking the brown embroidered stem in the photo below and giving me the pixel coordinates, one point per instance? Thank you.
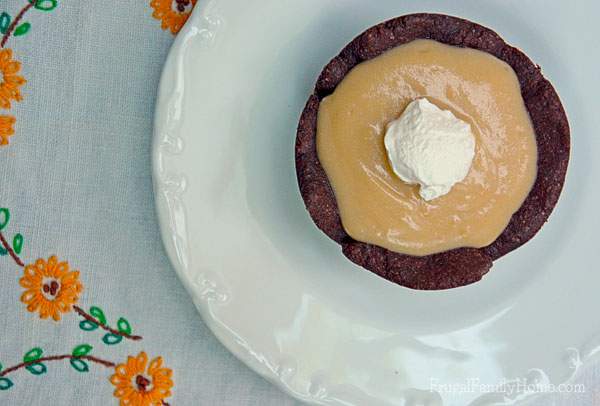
(90, 358)
(91, 318)
(11, 252)
(16, 22)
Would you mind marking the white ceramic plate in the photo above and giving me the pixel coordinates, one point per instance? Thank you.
(281, 296)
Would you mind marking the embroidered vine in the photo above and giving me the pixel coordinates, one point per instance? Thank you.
(52, 289)
(136, 381)
(10, 80)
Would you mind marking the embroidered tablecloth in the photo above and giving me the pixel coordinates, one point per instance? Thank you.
(91, 311)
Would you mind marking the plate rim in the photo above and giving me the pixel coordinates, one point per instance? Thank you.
(160, 149)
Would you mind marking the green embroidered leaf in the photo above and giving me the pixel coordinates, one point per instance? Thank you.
(4, 218)
(4, 22)
(33, 354)
(79, 365)
(18, 243)
(98, 314)
(1, 367)
(46, 5)
(124, 326)
(81, 350)
(22, 29)
(87, 325)
(111, 339)
(5, 384)
(3, 252)
(37, 369)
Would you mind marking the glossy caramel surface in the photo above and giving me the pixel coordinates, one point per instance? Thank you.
(378, 207)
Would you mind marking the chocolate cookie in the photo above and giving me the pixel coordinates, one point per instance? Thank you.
(461, 266)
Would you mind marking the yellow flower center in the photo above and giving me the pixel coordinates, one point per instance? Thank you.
(182, 6)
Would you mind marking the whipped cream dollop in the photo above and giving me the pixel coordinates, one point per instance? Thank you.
(430, 147)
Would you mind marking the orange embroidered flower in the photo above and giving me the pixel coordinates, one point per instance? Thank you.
(51, 288)
(9, 80)
(172, 13)
(138, 386)
(6, 128)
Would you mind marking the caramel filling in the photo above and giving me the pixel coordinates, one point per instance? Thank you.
(375, 205)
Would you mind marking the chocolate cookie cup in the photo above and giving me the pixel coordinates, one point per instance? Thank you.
(460, 266)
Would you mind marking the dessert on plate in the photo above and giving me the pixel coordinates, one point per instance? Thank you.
(430, 148)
